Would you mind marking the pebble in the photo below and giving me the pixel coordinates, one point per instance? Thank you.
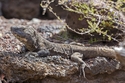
(1, 35)
(18, 47)
(35, 20)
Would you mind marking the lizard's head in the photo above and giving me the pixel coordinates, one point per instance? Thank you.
(26, 36)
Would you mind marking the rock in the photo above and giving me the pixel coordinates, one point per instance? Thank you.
(34, 20)
(50, 28)
(55, 69)
(78, 24)
(101, 65)
(58, 10)
(73, 21)
(0, 9)
(18, 47)
(73, 18)
(26, 9)
(1, 35)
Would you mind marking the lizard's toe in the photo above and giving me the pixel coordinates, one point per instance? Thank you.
(82, 70)
(31, 54)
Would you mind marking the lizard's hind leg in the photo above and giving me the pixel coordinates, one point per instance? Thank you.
(77, 57)
(82, 69)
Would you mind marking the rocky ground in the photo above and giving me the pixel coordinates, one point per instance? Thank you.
(50, 69)
(53, 69)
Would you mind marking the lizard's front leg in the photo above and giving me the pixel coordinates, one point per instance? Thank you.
(43, 52)
(77, 57)
(31, 54)
(40, 53)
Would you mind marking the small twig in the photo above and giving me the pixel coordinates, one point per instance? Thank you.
(45, 4)
(98, 21)
(86, 32)
(50, 9)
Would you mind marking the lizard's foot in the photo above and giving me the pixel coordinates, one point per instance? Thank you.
(43, 53)
(77, 57)
(32, 54)
(82, 69)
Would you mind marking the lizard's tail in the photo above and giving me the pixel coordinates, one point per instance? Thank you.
(120, 54)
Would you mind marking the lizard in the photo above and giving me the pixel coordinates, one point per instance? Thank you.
(36, 43)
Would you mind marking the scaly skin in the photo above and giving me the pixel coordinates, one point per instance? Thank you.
(35, 42)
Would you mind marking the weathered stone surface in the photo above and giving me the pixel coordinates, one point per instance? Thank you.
(20, 67)
(58, 10)
(74, 22)
(49, 29)
(21, 8)
(0, 9)
(28, 9)
(27, 69)
(73, 17)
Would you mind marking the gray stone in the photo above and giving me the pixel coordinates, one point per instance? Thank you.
(21, 8)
